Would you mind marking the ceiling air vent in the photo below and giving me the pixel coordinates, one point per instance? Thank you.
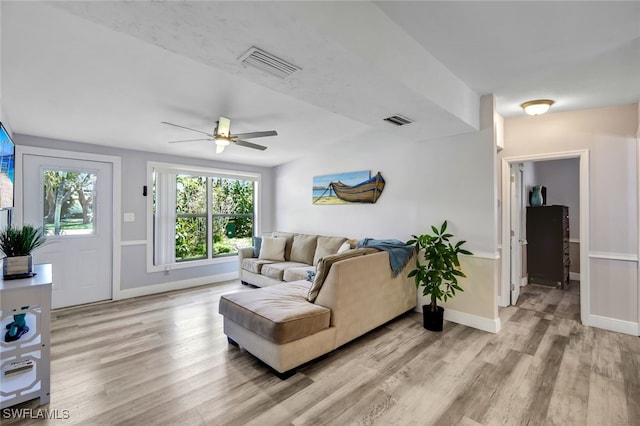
(267, 62)
(398, 120)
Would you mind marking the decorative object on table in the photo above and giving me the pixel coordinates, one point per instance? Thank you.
(17, 243)
(538, 196)
(17, 328)
(438, 277)
(346, 188)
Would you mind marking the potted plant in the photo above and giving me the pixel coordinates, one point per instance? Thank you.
(438, 276)
(17, 243)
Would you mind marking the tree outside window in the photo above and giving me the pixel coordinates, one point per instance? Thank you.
(68, 202)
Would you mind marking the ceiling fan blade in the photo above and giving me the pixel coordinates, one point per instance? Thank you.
(223, 127)
(188, 128)
(255, 134)
(191, 140)
(248, 144)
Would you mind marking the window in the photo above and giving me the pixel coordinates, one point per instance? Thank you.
(68, 202)
(199, 215)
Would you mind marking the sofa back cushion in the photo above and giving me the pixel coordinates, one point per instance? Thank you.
(273, 248)
(303, 248)
(327, 246)
(322, 270)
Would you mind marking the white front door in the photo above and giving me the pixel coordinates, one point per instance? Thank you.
(72, 199)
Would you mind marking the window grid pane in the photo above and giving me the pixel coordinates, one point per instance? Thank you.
(191, 237)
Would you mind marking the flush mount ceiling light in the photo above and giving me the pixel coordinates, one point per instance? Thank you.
(537, 107)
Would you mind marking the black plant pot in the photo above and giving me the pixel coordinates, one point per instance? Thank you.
(432, 320)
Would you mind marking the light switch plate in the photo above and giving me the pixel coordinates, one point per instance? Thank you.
(129, 217)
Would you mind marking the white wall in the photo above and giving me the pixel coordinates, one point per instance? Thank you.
(427, 182)
(134, 278)
(610, 135)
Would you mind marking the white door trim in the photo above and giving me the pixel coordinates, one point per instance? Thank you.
(115, 161)
(583, 156)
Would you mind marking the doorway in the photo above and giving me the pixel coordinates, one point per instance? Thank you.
(512, 209)
(71, 195)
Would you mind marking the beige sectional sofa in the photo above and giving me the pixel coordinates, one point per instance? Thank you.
(295, 322)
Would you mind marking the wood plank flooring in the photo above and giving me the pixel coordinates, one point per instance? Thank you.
(163, 359)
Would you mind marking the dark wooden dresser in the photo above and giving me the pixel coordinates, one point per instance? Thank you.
(548, 245)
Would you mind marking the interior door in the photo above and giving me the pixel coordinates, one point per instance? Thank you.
(516, 193)
(71, 198)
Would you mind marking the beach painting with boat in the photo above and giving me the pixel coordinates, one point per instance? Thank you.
(347, 188)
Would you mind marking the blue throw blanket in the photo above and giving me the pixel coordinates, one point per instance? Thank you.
(399, 252)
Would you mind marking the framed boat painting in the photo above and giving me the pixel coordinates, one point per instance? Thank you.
(347, 188)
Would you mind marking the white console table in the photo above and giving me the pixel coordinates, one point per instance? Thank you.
(32, 297)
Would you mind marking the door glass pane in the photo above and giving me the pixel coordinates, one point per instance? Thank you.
(69, 202)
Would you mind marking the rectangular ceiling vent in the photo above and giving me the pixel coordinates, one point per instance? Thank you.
(267, 62)
(398, 120)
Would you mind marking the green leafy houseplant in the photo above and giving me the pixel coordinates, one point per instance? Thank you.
(22, 241)
(438, 276)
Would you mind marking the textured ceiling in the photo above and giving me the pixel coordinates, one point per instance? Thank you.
(109, 72)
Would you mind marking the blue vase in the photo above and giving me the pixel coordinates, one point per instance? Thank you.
(536, 196)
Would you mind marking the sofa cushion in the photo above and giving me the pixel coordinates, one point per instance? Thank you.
(273, 248)
(254, 265)
(276, 270)
(322, 270)
(327, 246)
(289, 237)
(303, 248)
(298, 273)
(278, 313)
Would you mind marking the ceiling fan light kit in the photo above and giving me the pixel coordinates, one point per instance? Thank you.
(221, 144)
(222, 136)
(537, 107)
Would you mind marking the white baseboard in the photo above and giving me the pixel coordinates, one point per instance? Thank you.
(612, 324)
(574, 276)
(174, 285)
(471, 320)
(524, 281)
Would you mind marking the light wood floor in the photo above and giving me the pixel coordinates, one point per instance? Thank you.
(163, 359)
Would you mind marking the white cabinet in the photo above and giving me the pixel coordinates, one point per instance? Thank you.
(32, 297)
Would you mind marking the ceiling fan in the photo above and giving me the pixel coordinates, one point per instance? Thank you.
(222, 136)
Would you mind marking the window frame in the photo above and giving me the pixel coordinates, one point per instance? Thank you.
(184, 169)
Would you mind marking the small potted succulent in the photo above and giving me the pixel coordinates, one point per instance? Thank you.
(438, 276)
(17, 243)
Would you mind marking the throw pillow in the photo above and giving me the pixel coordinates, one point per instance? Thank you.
(273, 248)
(327, 246)
(344, 247)
(289, 237)
(303, 248)
(257, 243)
